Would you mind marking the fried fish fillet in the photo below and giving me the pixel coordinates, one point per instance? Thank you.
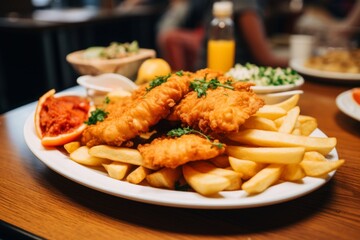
(140, 113)
(173, 152)
(222, 110)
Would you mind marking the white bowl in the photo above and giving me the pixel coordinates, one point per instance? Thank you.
(97, 87)
(280, 88)
(127, 66)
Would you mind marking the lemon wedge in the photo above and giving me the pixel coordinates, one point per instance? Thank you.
(152, 68)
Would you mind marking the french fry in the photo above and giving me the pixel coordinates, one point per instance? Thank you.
(207, 167)
(300, 120)
(263, 179)
(275, 139)
(72, 146)
(293, 172)
(313, 156)
(221, 161)
(296, 131)
(255, 122)
(164, 178)
(247, 168)
(288, 103)
(290, 119)
(117, 170)
(119, 154)
(307, 126)
(82, 156)
(204, 183)
(281, 155)
(320, 168)
(138, 175)
(271, 112)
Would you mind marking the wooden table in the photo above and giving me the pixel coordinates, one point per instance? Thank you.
(46, 204)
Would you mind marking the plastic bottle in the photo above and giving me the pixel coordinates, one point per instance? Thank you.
(221, 43)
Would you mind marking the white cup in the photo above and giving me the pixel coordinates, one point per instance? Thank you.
(301, 46)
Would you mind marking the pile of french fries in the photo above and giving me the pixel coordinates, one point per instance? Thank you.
(273, 146)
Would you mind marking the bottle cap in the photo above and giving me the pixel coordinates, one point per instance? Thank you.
(222, 9)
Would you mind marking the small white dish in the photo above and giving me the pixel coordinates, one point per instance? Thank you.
(273, 98)
(97, 87)
(347, 105)
(280, 88)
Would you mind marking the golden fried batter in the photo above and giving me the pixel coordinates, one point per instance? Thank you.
(141, 112)
(173, 152)
(222, 110)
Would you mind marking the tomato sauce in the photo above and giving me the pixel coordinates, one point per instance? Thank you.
(63, 114)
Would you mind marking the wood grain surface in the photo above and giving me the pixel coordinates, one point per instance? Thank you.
(38, 200)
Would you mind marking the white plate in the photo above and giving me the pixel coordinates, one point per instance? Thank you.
(347, 105)
(298, 65)
(282, 88)
(98, 180)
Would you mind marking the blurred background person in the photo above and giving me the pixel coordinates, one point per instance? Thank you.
(184, 46)
(334, 23)
(180, 32)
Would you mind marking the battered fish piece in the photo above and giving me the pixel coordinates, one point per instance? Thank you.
(222, 110)
(173, 152)
(141, 112)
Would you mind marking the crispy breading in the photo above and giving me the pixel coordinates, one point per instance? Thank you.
(222, 110)
(139, 114)
(173, 152)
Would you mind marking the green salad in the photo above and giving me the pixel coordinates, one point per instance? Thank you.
(114, 50)
(263, 76)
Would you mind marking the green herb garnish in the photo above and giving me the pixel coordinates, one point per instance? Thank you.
(98, 115)
(107, 100)
(180, 73)
(201, 85)
(157, 81)
(178, 132)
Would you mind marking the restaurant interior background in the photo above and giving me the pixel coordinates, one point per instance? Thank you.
(36, 36)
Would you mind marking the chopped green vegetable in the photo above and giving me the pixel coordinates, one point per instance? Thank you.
(114, 50)
(107, 100)
(98, 115)
(263, 76)
(157, 81)
(178, 132)
(180, 73)
(201, 85)
(93, 52)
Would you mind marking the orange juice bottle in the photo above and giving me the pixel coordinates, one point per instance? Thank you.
(221, 43)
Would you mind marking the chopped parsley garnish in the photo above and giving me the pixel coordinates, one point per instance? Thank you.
(157, 81)
(201, 85)
(178, 132)
(107, 100)
(180, 73)
(98, 115)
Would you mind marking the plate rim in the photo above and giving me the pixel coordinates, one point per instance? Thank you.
(280, 88)
(297, 65)
(345, 108)
(101, 182)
